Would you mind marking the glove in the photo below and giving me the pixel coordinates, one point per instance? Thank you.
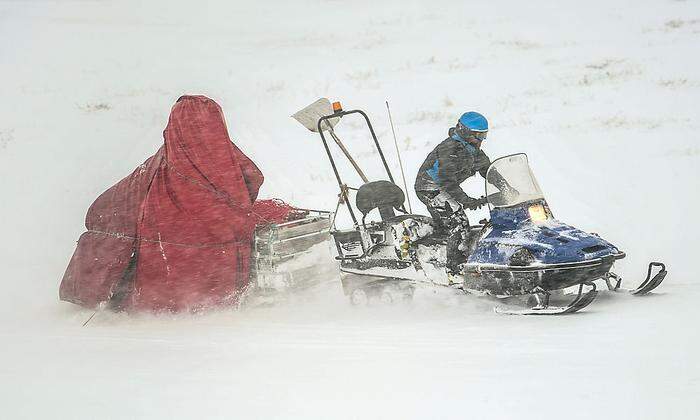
(476, 203)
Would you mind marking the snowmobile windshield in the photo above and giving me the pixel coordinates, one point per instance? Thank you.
(509, 182)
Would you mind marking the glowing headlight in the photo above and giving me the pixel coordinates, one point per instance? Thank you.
(537, 213)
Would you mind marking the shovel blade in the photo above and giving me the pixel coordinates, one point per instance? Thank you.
(309, 116)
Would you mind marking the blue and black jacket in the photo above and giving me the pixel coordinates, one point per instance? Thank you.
(448, 165)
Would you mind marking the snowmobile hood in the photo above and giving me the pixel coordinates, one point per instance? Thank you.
(536, 243)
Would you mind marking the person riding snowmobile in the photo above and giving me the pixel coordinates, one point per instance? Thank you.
(437, 185)
(451, 162)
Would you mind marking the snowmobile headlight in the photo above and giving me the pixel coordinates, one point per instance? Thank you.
(537, 213)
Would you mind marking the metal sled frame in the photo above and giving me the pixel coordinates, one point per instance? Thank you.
(343, 187)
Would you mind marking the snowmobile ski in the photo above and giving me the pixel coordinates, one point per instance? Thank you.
(581, 301)
(649, 284)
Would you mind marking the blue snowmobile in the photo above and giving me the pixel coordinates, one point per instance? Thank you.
(521, 251)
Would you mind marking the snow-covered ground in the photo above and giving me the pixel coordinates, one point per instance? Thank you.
(602, 95)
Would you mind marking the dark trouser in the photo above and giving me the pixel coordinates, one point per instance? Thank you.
(440, 213)
(448, 223)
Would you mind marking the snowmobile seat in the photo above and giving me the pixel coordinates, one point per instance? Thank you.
(383, 195)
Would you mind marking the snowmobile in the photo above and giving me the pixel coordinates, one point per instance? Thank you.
(521, 251)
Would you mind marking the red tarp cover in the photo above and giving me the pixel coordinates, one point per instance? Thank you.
(176, 233)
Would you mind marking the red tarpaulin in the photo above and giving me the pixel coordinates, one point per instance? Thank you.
(176, 233)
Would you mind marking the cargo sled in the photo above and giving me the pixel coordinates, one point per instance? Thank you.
(291, 256)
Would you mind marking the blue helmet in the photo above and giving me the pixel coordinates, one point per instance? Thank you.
(472, 124)
(474, 121)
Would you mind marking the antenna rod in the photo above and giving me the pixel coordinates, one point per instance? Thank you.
(396, 143)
